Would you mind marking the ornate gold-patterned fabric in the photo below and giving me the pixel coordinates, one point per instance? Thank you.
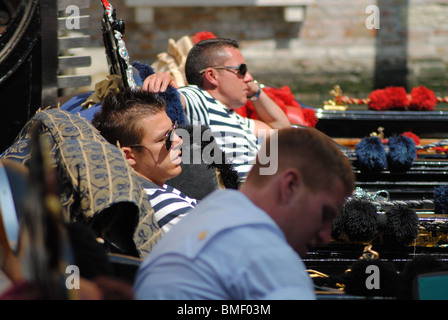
(95, 175)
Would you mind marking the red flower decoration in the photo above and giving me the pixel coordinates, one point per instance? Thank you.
(203, 35)
(422, 99)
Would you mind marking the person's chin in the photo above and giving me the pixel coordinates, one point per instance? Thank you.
(177, 170)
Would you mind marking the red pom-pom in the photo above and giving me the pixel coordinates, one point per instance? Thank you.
(397, 98)
(379, 100)
(390, 98)
(422, 99)
(203, 35)
(413, 136)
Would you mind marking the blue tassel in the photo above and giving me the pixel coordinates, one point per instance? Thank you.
(371, 154)
(143, 69)
(441, 200)
(174, 108)
(401, 153)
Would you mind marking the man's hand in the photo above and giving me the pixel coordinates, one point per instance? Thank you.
(159, 82)
(253, 88)
(270, 115)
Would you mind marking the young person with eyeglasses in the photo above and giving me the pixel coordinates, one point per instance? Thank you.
(137, 123)
(218, 83)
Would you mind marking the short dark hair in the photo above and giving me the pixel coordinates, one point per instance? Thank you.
(120, 112)
(204, 54)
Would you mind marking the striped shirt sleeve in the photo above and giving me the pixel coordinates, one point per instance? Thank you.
(195, 107)
(170, 205)
(234, 133)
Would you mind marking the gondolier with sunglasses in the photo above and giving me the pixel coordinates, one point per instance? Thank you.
(218, 83)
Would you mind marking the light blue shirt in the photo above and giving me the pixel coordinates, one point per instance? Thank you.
(226, 248)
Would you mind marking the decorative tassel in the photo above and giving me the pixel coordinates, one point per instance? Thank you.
(441, 200)
(357, 221)
(402, 226)
(392, 98)
(422, 99)
(174, 108)
(402, 152)
(371, 154)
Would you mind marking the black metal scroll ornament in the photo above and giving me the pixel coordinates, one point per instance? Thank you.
(116, 52)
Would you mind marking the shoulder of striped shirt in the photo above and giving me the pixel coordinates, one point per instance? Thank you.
(171, 191)
(193, 91)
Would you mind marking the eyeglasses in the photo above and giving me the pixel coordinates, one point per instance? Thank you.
(241, 69)
(168, 141)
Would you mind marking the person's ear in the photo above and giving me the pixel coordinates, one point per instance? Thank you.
(129, 155)
(210, 75)
(290, 184)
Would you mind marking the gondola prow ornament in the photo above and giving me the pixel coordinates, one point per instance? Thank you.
(116, 52)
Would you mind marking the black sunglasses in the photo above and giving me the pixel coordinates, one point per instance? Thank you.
(241, 69)
(168, 141)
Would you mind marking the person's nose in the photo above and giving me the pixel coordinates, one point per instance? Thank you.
(248, 77)
(176, 139)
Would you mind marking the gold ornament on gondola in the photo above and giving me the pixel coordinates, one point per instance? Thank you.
(335, 104)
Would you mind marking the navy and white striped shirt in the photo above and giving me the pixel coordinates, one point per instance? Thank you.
(234, 134)
(169, 204)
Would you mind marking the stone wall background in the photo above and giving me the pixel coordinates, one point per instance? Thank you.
(330, 46)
